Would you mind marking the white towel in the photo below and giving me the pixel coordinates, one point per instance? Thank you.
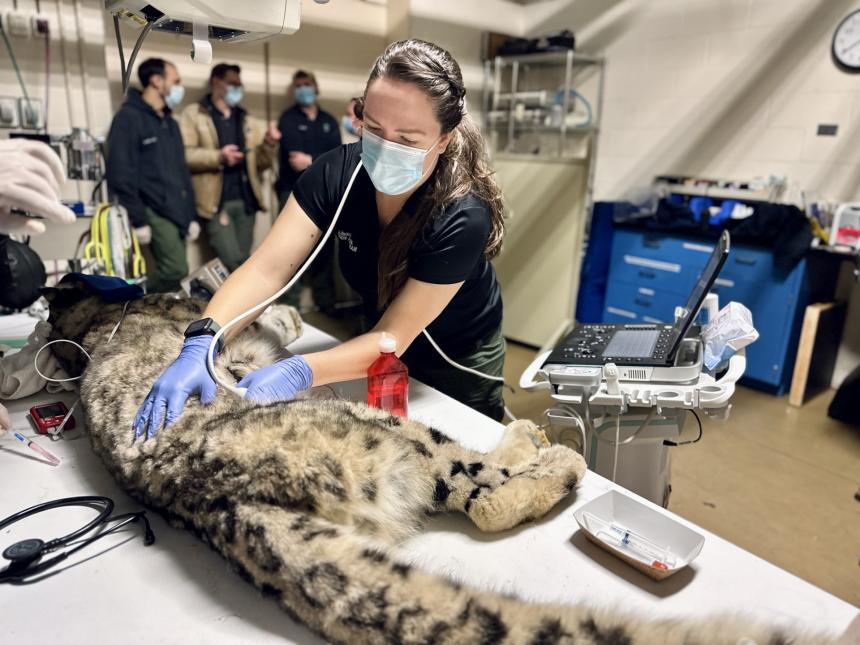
(18, 376)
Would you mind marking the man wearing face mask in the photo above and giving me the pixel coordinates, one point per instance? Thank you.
(349, 123)
(227, 150)
(147, 173)
(308, 131)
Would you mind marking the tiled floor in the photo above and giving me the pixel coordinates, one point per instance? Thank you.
(775, 480)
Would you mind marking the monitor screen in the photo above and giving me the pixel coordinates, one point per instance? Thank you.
(700, 290)
(51, 410)
(630, 343)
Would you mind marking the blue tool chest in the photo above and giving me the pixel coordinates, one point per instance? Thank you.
(651, 273)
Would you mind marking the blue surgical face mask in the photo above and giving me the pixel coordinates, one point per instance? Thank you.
(174, 96)
(234, 95)
(393, 168)
(305, 95)
(346, 121)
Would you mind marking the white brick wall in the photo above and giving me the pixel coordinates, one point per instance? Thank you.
(729, 88)
(724, 88)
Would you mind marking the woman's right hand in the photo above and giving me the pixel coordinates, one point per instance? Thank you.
(187, 375)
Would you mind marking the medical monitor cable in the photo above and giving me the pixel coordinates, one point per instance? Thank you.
(79, 376)
(210, 357)
(617, 446)
(469, 370)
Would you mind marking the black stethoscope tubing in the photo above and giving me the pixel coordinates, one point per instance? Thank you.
(25, 555)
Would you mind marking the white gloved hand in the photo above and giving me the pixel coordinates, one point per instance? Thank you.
(193, 231)
(5, 420)
(30, 178)
(144, 234)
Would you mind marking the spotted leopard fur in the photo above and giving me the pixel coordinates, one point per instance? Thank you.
(306, 499)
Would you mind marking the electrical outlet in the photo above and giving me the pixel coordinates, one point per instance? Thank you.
(30, 113)
(41, 25)
(18, 24)
(8, 112)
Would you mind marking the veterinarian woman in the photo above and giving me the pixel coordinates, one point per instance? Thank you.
(417, 231)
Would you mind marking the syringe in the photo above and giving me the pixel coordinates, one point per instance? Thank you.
(646, 550)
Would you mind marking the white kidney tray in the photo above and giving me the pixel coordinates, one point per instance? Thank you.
(659, 546)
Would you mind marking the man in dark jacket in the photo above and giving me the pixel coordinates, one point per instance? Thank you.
(307, 132)
(147, 173)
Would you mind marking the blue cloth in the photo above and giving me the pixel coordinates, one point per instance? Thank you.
(109, 288)
(726, 209)
(699, 206)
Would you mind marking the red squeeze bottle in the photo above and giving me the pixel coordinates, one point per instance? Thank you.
(388, 379)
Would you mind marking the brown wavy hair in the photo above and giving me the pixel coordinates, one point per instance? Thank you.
(462, 169)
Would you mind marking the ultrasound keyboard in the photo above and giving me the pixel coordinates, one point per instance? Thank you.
(599, 344)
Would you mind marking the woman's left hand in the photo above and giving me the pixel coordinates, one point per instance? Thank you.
(280, 381)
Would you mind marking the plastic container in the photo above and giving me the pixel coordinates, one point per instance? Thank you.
(641, 536)
(388, 380)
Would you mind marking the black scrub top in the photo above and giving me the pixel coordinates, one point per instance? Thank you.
(449, 249)
(302, 134)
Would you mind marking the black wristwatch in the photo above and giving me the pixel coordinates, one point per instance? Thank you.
(204, 327)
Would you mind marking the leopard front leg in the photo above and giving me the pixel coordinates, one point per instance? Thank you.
(518, 481)
(519, 444)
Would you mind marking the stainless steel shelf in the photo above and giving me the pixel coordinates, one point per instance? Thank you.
(528, 156)
(553, 58)
(520, 126)
(719, 193)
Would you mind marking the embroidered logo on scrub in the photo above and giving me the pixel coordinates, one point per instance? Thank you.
(346, 236)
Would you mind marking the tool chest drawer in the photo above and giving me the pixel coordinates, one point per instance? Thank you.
(660, 246)
(646, 303)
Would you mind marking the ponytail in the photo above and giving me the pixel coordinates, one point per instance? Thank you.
(462, 169)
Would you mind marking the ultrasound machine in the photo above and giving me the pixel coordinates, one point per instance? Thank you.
(622, 392)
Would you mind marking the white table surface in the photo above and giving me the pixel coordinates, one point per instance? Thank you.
(179, 591)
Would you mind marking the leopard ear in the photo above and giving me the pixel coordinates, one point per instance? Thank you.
(49, 293)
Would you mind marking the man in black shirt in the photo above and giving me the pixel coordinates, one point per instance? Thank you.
(227, 150)
(146, 172)
(307, 132)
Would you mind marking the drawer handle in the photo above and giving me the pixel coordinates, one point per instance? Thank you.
(740, 259)
(647, 274)
(654, 244)
(642, 302)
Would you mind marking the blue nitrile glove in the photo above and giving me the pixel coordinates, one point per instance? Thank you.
(187, 375)
(279, 381)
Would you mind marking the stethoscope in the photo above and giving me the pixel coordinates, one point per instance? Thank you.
(26, 555)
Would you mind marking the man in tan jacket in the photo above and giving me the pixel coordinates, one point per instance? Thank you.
(227, 151)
